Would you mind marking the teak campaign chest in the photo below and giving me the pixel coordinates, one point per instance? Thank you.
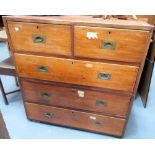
(79, 71)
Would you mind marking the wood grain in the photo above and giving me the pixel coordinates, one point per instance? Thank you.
(76, 119)
(130, 44)
(57, 38)
(68, 63)
(77, 72)
(48, 94)
(83, 20)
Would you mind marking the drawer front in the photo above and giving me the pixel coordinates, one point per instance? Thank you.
(77, 119)
(95, 101)
(103, 75)
(44, 38)
(111, 44)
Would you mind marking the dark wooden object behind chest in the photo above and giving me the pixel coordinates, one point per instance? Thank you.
(144, 85)
(3, 130)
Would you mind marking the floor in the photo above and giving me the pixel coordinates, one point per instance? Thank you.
(141, 122)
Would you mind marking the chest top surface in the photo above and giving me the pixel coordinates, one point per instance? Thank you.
(84, 20)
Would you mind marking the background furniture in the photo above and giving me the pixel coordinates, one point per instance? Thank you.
(1, 21)
(3, 130)
(145, 81)
(6, 68)
(78, 71)
(3, 36)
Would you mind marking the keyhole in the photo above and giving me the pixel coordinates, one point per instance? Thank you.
(73, 113)
(109, 32)
(37, 27)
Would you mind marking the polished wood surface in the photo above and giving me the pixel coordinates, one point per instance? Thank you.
(77, 119)
(74, 82)
(84, 21)
(130, 45)
(77, 72)
(78, 98)
(56, 38)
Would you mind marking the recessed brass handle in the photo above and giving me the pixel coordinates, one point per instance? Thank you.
(101, 103)
(42, 68)
(104, 76)
(45, 94)
(97, 123)
(38, 39)
(48, 115)
(108, 44)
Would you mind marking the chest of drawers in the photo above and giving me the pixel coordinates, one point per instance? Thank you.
(77, 71)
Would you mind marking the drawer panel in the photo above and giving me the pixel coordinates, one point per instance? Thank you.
(84, 99)
(44, 38)
(103, 75)
(76, 119)
(111, 44)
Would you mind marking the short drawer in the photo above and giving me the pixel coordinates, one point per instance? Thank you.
(103, 75)
(42, 38)
(76, 98)
(76, 119)
(111, 44)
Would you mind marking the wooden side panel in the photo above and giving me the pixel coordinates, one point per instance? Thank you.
(76, 119)
(56, 38)
(83, 99)
(129, 45)
(103, 75)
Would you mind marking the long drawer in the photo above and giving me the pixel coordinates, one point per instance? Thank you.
(77, 98)
(96, 74)
(76, 119)
(40, 38)
(110, 43)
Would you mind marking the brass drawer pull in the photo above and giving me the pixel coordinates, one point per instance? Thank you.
(48, 115)
(104, 76)
(101, 103)
(45, 94)
(97, 123)
(38, 39)
(108, 44)
(42, 68)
